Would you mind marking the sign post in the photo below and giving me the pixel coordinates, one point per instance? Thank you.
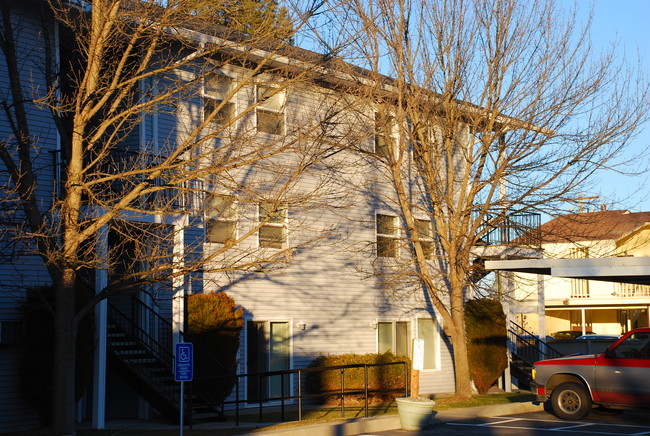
(183, 371)
(418, 364)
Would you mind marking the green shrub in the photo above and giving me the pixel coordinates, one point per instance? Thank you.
(214, 324)
(381, 377)
(485, 325)
(38, 347)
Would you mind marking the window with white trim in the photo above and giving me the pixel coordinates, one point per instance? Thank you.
(270, 110)
(424, 228)
(384, 131)
(394, 336)
(273, 232)
(387, 233)
(217, 88)
(221, 218)
(422, 140)
(428, 330)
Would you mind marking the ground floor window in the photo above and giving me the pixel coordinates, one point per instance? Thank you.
(267, 349)
(428, 330)
(394, 336)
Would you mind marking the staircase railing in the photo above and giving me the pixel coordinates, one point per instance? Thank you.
(164, 332)
(529, 347)
(155, 350)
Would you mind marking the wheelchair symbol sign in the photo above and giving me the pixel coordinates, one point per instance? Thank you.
(183, 370)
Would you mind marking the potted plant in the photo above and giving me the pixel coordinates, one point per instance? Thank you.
(415, 413)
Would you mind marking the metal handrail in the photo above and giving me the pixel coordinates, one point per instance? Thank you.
(300, 396)
(529, 349)
(149, 344)
(168, 331)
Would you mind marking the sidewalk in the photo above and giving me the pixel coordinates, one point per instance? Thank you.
(391, 422)
(354, 426)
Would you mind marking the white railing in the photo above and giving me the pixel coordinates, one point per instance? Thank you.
(579, 288)
(631, 290)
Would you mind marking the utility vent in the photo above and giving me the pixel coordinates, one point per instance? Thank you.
(9, 332)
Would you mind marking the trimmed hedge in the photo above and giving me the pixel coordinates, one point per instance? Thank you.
(379, 378)
(485, 325)
(214, 324)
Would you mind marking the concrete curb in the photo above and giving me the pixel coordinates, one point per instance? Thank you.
(391, 422)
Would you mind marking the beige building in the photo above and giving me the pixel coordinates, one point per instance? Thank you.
(547, 303)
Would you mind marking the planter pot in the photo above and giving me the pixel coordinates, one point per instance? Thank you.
(414, 414)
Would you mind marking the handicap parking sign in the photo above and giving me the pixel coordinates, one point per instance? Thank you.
(184, 368)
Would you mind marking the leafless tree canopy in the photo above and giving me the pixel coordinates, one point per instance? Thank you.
(162, 117)
(485, 112)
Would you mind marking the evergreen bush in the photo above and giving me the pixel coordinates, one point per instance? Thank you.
(213, 326)
(485, 325)
(379, 378)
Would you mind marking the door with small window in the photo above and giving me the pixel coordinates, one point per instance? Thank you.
(267, 349)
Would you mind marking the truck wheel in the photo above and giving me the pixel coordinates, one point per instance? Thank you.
(570, 401)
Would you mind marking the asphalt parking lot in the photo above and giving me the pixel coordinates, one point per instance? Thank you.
(538, 423)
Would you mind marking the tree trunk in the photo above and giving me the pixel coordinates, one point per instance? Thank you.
(63, 413)
(461, 360)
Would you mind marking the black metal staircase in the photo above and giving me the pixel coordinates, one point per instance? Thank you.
(526, 349)
(139, 349)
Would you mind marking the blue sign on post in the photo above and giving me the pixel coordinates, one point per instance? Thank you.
(184, 367)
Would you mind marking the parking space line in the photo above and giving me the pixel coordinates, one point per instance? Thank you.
(573, 426)
(501, 422)
(577, 427)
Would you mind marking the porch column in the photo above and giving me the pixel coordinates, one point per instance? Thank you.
(541, 307)
(101, 311)
(178, 283)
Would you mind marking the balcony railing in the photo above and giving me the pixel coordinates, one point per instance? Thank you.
(627, 290)
(183, 196)
(517, 229)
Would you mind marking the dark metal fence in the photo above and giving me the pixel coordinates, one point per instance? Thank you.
(300, 396)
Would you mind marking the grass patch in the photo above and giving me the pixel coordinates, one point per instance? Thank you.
(447, 403)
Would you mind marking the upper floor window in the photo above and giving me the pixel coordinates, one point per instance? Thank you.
(394, 337)
(270, 110)
(217, 88)
(387, 233)
(384, 130)
(424, 228)
(422, 140)
(273, 231)
(221, 218)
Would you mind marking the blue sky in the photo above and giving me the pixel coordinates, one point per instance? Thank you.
(627, 21)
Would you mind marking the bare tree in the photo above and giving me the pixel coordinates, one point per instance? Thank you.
(484, 112)
(160, 117)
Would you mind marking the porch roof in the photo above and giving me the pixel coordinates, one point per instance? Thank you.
(611, 269)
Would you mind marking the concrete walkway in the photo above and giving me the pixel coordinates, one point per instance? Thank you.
(347, 427)
(391, 422)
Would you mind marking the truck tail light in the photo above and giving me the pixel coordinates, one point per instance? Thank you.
(541, 390)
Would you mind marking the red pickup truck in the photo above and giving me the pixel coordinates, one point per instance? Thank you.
(619, 378)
